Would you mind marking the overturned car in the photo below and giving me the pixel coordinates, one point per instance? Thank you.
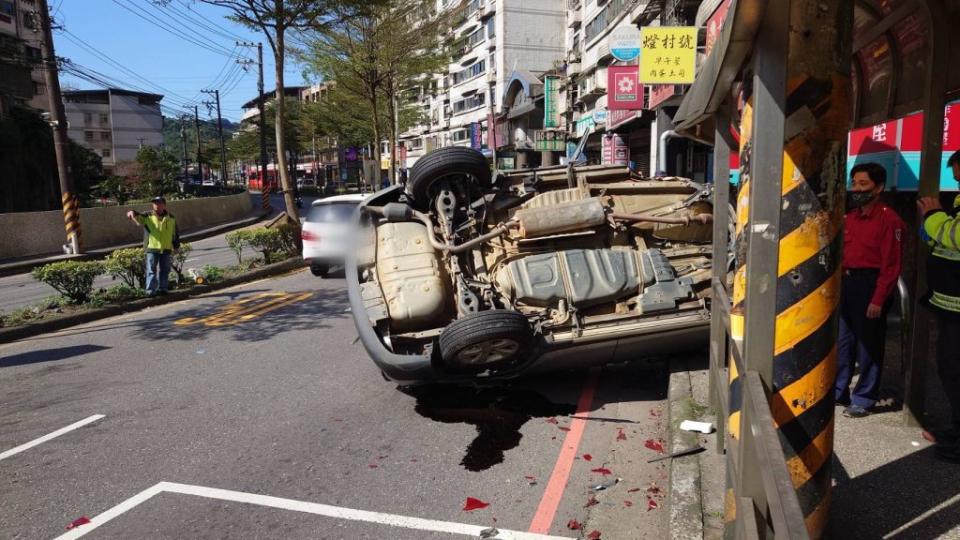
(462, 275)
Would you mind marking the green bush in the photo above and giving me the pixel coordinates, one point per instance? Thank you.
(237, 240)
(212, 273)
(72, 279)
(117, 294)
(179, 259)
(268, 242)
(129, 265)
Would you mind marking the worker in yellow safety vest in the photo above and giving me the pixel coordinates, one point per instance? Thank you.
(941, 229)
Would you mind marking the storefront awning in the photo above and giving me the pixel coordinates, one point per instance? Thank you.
(720, 70)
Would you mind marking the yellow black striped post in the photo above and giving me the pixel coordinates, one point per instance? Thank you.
(71, 220)
(786, 288)
(265, 195)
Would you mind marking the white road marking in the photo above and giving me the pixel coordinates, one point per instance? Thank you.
(54, 435)
(336, 512)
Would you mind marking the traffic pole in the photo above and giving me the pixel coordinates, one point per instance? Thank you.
(61, 143)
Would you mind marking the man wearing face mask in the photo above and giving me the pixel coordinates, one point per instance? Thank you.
(871, 266)
(941, 229)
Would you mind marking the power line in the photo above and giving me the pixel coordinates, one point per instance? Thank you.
(200, 21)
(150, 18)
(106, 58)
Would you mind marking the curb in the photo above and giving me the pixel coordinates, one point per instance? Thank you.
(685, 499)
(15, 333)
(11, 269)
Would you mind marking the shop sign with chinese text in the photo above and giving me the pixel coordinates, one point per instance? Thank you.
(625, 90)
(669, 55)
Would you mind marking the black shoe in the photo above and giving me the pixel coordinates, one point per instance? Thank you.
(843, 402)
(855, 411)
(948, 453)
(943, 437)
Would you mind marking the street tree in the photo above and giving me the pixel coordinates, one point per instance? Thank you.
(155, 171)
(378, 54)
(278, 20)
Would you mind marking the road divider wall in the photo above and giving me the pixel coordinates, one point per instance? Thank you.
(25, 234)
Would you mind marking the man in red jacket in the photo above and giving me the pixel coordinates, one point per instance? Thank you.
(871, 267)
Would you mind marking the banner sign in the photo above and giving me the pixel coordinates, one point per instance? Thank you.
(896, 145)
(476, 136)
(549, 140)
(625, 43)
(669, 54)
(618, 118)
(624, 88)
(551, 101)
(660, 93)
(715, 25)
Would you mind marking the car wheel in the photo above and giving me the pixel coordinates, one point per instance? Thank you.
(485, 340)
(319, 270)
(451, 163)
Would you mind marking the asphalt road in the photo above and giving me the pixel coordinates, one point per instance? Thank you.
(22, 290)
(266, 419)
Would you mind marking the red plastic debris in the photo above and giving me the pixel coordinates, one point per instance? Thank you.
(373, 466)
(551, 420)
(574, 525)
(656, 446)
(634, 490)
(591, 502)
(338, 419)
(472, 504)
(594, 535)
(528, 477)
(564, 429)
(602, 470)
(651, 505)
(413, 460)
(621, 436)
(588, 457)
(628, 504)
(82, 520)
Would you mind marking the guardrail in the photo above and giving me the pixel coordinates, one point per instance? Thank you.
(762, 487)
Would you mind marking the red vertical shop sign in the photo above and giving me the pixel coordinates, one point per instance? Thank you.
(626, 92)
(715, 25)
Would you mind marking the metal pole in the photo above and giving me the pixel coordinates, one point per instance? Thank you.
(61, 142)
(262, 122)
(930, 164)
(223, 149)
(721, 222)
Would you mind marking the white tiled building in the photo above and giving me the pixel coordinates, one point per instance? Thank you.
(19, 30)
(492, 41)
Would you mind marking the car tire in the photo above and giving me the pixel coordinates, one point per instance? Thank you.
(486, 340)
(454, 162)
(319, 270)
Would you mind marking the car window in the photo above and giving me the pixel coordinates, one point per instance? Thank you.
(332, 212)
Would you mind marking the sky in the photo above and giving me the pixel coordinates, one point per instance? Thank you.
(175, 51)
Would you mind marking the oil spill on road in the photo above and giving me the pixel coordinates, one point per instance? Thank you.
(497, 413)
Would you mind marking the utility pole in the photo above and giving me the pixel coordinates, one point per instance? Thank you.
(223, 149)
(61, 143)
(196, 123)
(183, 143)
(264, 189)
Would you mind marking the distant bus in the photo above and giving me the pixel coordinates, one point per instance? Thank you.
(255, 180)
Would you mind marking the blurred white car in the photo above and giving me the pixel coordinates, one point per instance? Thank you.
(325, 232)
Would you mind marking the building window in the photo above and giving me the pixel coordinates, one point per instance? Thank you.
(104, 135)
(603, 19)
(105, 153)
(104, 118)
(461, 135)
(39, 88)
(470, 72)
(87, 118)
(7, 8)
(468, 104)
(88, 136)
(491, 28)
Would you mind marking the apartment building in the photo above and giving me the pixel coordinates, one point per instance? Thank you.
(21, 74)
(115, 123)
(494, 43)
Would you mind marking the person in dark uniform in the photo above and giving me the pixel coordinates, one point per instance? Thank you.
(871, 267)
(941, 229)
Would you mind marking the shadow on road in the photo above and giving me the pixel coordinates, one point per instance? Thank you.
(306, 310)
(49, 355)
(499, 412)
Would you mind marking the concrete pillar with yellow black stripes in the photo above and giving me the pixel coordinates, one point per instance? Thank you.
(71, 221)
(793, 160)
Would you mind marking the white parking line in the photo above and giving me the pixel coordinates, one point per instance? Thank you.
(54, 435)
(336, 512)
